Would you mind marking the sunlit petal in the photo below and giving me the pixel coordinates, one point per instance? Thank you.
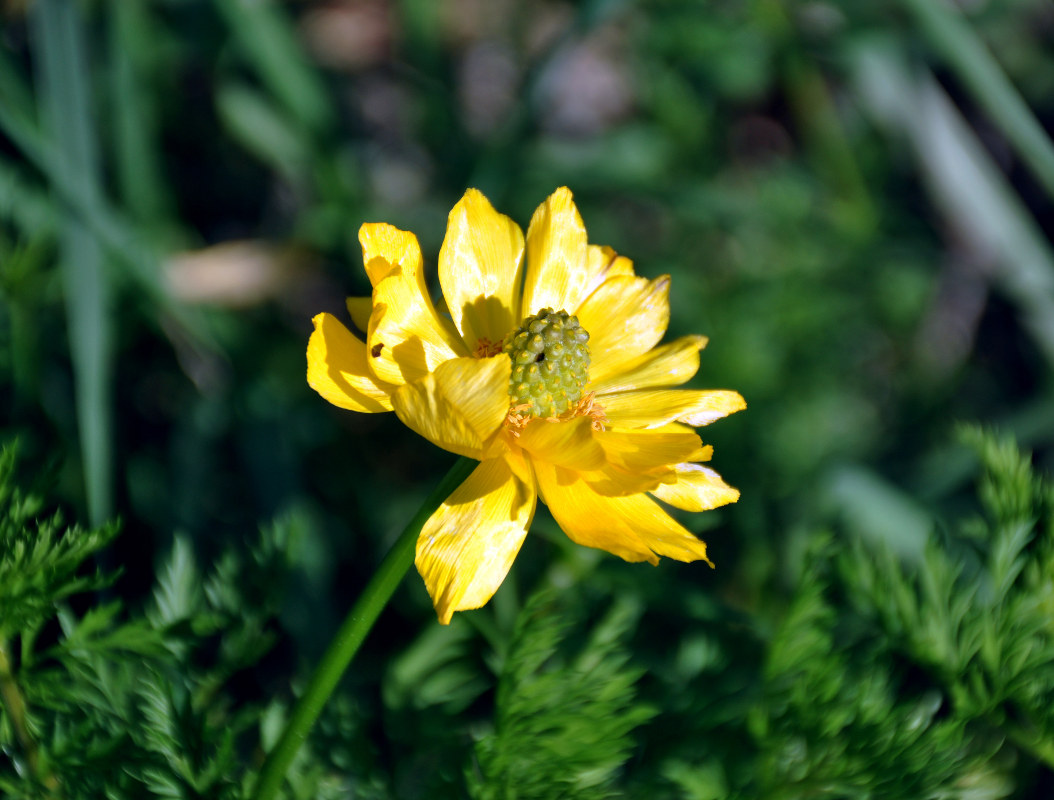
(652, 408)
(406, 338)
(520, 464)
(637, 450)
(640, 461)
(480, 269)
(633, 527)
(614, 481)
(697, 488)
(459, 407)
(602, 262)
(669, 365)
(337, 370)
(467, 546)
(557, 274)
(385, 247)
(569, 443)
(626, 317)
(605, 263)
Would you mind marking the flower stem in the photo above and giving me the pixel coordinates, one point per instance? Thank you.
(351, 634)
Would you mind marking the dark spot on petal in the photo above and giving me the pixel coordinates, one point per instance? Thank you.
(376, 349)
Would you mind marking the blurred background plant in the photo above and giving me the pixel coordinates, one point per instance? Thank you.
(853, 200)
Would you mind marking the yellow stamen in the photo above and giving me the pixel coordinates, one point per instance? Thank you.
(519, 415)
(589, 407)
(516, 420)
(485, 348)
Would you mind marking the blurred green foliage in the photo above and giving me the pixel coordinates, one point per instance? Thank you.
(851, 206)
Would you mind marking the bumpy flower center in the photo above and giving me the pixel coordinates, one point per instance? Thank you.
(550, 363)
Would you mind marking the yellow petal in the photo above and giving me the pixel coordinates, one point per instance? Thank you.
(557, 274)
(669, 365)
(626, 317)
(634, 527)
(468, 545)
(569, 443)
(697, 488)
(677, 427)
(360, 309)
(647, 449)
(613, 481)
(480, 269)
(406, 338)
(655, 407)
(704, 453)
(459, 407)
(640, 461)
(337, 370)
(385, 247)
(519, 463)
(602, 262)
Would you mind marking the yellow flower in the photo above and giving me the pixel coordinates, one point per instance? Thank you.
(502, 372)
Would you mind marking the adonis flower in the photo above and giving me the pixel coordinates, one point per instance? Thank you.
(541, 363)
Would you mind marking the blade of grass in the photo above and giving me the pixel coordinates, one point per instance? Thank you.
(135, 153)
(109, 227)
(265, 35)
(966, 184)
(62, 69)
(250, 116)
(982, 76)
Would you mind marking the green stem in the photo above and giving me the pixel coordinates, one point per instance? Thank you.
(15, 704)
(350, 636)
(982, 75)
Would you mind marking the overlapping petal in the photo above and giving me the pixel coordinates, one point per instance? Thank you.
(626, 317)
(385, 247)
(570, 444)
(337, 369)
(360, 309)
(480, 269)
(557, 255)
(633, 527)
(460, 406)
(641, 450)
(602, 262)
(467, 546)
(669, 365)
(697, 488)
(406, 339)
(655, 407)
(614, 481)
(640, 461)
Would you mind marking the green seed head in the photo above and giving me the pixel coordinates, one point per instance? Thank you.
(550, 362)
